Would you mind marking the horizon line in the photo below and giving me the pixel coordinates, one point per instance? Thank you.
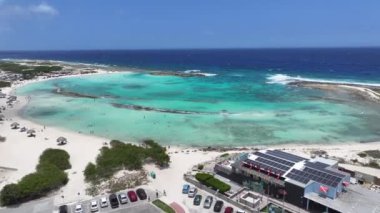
(189, 48)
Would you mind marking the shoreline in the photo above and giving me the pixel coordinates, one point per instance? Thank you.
(22, 152)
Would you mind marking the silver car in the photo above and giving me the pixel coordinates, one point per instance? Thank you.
(208, 202)
(103, 202)
(94, 206)
(192, 192)
(78, 208)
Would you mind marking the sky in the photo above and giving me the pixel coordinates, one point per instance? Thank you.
(173, 24)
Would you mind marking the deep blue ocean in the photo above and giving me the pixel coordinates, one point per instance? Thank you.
(339, 63)
(243, 100)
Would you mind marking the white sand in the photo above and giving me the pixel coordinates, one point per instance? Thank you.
(22, 153)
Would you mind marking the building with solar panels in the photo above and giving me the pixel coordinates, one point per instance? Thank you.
(295, 177)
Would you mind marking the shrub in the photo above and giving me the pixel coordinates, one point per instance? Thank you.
(10, 194)
(373, 164)
(224, 155)
(58, 157)
(124, 156)
(203, 177)
(200, 166)
(5, 84)
(49, 176)
(90, 172)
(163, 206)
(212, 182)
(373, 153)
(362, 154)
(217, 184)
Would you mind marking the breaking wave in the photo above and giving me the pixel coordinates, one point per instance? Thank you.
(200, 73)
(286, 79)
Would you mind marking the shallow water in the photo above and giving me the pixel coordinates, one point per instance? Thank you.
(230, 109)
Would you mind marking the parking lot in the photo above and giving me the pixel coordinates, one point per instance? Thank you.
(138, 206)
(188, 202)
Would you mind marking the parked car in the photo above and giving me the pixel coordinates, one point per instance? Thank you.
(229, 209)
(185, 188)
(218, 206)
(123, 198)
(197, 200)
(132, 196)
(113, 201)
(94, 206)
(103, 202)
(141, 194)
(208, 202)
(63, 209)
(78, 208)
(192, 192)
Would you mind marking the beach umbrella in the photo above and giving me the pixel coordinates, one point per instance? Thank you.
(15, 125)
(61, 140)
(31, 132)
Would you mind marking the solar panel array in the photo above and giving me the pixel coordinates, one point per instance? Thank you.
(279, 162)
(273, 165)
(265, 166)
(285, 155)
(298, 176)
(275, 159)
(316, 165)
(322, 177)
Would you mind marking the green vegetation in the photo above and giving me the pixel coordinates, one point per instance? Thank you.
(371, 153)
(49, 176)
(373, 164)
(200, 166)
(28, 72)
(212, 182)
(224, 155)
(5, 84)
(58, 157)
(124, 156)
(163, 206)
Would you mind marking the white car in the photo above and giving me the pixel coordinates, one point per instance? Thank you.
(123, 198)
(78, 208)
(192, 192)
(103, 202)
(94, 206)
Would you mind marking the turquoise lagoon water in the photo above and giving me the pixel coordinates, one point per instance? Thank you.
(228, 109)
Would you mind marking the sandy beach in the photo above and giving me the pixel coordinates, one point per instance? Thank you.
(21, 153)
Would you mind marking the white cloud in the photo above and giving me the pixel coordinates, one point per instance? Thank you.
(11, 10)
(43, 8)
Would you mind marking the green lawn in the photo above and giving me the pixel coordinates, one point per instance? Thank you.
(163, 206)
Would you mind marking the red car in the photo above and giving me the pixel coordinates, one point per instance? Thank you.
(229, 210)
(132, 196)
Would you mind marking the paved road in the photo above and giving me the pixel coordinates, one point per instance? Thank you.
(47, 206)
(38, 206)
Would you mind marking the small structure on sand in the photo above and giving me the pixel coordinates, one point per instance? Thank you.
(15, 125)
(31, 133)
(61, 141)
